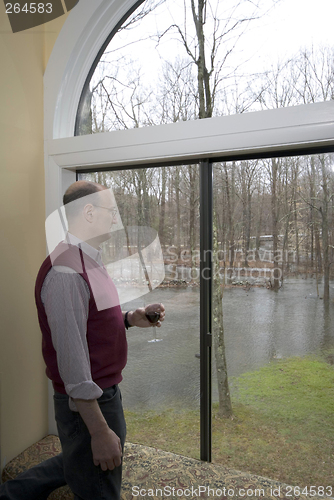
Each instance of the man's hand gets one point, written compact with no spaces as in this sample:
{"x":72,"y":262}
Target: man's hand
{"x":107,"y":450}
{"x":138,"y":317}
{"x":106,"y":445}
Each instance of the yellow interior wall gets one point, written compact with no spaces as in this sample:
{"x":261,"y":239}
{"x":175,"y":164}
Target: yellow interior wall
{"x":23,"y":383}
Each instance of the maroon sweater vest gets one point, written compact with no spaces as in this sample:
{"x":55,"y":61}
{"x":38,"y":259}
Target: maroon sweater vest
{"x":106,"y":336}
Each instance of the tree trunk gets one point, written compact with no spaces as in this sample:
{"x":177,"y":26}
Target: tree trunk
{"x":162,"y":207}
{"x":230,"y":198}
{"x":312,"y":218}
{"x":192,"y":211}
{"x":249,"y":223}
{"x":178,"y":212}
{"x":146,"y":199}
{"x":325,"y":229}
{"x":205,"y":111}
{"x":225,"y":405}
{"x":295,"y":190}
{"x":274,"y":216}
{"x":259,"y":223}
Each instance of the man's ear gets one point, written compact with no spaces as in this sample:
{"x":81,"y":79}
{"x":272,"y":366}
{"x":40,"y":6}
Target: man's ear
{"x":88,"y":212}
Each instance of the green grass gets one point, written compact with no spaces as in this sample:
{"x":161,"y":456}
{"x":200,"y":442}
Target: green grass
{"x":283,"y":424}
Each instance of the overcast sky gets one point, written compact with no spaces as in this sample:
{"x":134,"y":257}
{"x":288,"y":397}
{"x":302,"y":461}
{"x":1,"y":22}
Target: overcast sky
{"x":298,"y":23}
{"x":276,"y":36}
{"x":290,"y":25}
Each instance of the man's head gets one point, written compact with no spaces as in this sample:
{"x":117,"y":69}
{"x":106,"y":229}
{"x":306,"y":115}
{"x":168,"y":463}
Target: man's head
{"x":75,"y":199}
{"x":90,"y":210}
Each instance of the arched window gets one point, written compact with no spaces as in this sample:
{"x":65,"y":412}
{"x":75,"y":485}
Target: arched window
{"x":168,"y":61}
{"x":226,"y":136}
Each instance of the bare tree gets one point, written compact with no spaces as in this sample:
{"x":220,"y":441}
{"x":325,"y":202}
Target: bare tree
{"x":204,"y":55}
{"x":324,"y":211}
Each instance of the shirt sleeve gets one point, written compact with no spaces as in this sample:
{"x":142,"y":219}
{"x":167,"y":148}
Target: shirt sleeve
{"x":65,"y":296}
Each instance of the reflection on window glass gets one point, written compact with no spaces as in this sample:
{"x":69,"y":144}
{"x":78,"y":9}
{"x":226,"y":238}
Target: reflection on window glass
{"x":160,"y":386}
{"x":169,"y":63}
{"x":274,"y":221}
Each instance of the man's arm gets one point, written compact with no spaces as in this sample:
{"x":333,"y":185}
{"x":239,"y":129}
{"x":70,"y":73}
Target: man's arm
{"x":106,"y":445}
{"x":65,"y":296}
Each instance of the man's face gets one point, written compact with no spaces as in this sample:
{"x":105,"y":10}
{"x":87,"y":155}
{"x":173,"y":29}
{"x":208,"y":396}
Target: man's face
{"x":105,"y":215}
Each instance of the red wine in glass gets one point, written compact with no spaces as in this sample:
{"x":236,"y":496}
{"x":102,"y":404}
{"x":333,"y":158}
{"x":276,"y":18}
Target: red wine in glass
{"x":153,"y":317}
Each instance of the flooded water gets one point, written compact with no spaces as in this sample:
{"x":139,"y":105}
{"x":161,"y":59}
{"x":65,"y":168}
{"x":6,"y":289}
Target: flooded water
{"x":259,"y":326}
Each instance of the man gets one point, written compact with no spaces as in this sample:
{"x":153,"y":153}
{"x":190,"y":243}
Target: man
{"x":85,"y":350}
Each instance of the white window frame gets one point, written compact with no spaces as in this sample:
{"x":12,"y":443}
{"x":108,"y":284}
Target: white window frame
{"x":81,"y":38}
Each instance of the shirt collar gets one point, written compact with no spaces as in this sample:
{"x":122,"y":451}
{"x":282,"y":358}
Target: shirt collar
{"x":92,"y":252}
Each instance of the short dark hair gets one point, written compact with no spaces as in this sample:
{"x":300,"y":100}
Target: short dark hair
{"x":78,"y":190}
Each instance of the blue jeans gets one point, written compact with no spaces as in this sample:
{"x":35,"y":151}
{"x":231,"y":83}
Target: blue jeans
{"x":74,"y":466}
{"x":36,"y":483}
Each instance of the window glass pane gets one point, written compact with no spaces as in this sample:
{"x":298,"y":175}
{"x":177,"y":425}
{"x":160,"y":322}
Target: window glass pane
{"x":161,"y":381}
{"x":167,"y":63}
{"x":274,"y":220}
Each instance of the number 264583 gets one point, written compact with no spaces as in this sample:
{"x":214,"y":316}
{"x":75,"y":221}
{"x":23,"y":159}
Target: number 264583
{"x":29,"y":8}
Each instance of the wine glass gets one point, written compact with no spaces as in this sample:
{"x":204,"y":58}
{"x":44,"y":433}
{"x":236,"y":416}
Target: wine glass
{"x":153,"y":318}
